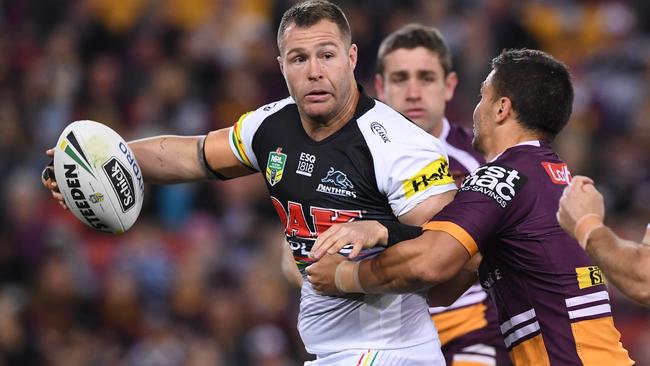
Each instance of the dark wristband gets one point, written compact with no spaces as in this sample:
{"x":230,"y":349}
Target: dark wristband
{"x":398,"y":232}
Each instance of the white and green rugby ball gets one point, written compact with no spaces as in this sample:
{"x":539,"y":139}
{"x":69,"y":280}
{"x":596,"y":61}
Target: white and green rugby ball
{"x":98,"y":175}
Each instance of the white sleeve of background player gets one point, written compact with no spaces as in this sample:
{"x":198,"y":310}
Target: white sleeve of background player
{"x":410,"y":164}
{"x":243,"y":131}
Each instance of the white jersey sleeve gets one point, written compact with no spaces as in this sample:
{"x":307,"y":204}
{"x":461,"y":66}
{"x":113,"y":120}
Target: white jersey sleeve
{"x":410,"y":164}
{"x":243,"y":132}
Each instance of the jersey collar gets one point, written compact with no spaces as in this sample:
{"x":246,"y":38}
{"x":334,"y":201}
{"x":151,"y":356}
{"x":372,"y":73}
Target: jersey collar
{"x":535,"y":143}
{"x":364,"y":104}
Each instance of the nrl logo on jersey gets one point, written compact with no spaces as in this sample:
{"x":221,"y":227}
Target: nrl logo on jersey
{"x":342,"y":185}
{"x":275,"y":166}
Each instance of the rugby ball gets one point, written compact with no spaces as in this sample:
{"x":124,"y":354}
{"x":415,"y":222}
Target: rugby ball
{"x":98,"y":175}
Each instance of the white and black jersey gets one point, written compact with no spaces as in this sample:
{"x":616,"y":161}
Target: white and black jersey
{"x":378,"y":166}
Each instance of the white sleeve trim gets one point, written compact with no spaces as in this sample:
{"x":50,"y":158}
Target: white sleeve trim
{"x":242,"y":133}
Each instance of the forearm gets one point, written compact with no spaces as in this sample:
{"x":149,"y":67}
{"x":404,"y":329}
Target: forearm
{"x":625,"y":263}
{"x":170,"y":159}
{"x":432,"y":258}
{"x":393,"y":271}
{"x":405,"y":267}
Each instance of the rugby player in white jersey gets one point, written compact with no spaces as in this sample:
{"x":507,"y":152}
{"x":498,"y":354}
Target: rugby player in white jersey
{"x":329,"y":154}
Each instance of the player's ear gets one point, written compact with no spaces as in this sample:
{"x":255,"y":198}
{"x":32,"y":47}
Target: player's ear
{"x":379,"y":86}
{"x":352,"y":54}
{"x":450,"y":85}
{"x":502,"y":109}
{"x":281,"y":65}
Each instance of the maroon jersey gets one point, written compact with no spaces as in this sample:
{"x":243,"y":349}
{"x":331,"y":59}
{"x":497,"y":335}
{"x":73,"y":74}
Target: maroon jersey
{"x":468,"y":328}
{"x":552,"y":301}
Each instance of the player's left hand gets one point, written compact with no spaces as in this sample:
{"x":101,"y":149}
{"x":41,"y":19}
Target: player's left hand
{"x":360,"y":234}
{"x":321,"y":274}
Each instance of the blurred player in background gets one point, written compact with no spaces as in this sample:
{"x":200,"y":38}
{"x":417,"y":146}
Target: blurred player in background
{"x":624,"y":262}
{"x":308,"y":147}
{"x":552,"y":301}
{"x":415,"y":76}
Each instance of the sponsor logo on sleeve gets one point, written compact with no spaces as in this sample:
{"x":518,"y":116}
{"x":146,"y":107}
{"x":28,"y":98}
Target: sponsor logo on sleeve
{"x":380,"y":131}
{"x":498,"y":182}
{"x":558,"y":172}
{"x":435,"y":173}
{"x":590,"y":276}
{"x":122,"y":183}
{"x":275,"y":166}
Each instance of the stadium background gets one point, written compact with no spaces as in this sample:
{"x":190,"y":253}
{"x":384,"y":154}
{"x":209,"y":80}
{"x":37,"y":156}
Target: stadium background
{"x":197,"y":281}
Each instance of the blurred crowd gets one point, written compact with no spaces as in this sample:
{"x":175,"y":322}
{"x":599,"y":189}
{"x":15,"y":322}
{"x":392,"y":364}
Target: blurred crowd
{"x":197,"y":280}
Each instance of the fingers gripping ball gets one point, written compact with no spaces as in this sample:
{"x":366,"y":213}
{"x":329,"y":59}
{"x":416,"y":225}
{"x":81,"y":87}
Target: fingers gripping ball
{"x":98,"y":175}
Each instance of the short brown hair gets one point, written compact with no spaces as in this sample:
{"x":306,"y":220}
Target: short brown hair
{"x":415,"y":35}
{"x":310,"y":12}
{"x":538,"y":86}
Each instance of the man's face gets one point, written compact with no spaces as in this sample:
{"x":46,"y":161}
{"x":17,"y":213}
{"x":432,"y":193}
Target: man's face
{"x":318,"y":66}
{"x":483,"y":115}
{"x":414,"y":84}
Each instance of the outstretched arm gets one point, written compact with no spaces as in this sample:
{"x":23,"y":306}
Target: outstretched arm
{"x":173,"y":159}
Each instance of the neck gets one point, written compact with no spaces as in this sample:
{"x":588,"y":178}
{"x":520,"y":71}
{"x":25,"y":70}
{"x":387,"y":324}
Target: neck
{"x":320,"y":130}
{"x":436,"y":129}
{"x":507,"y":136}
